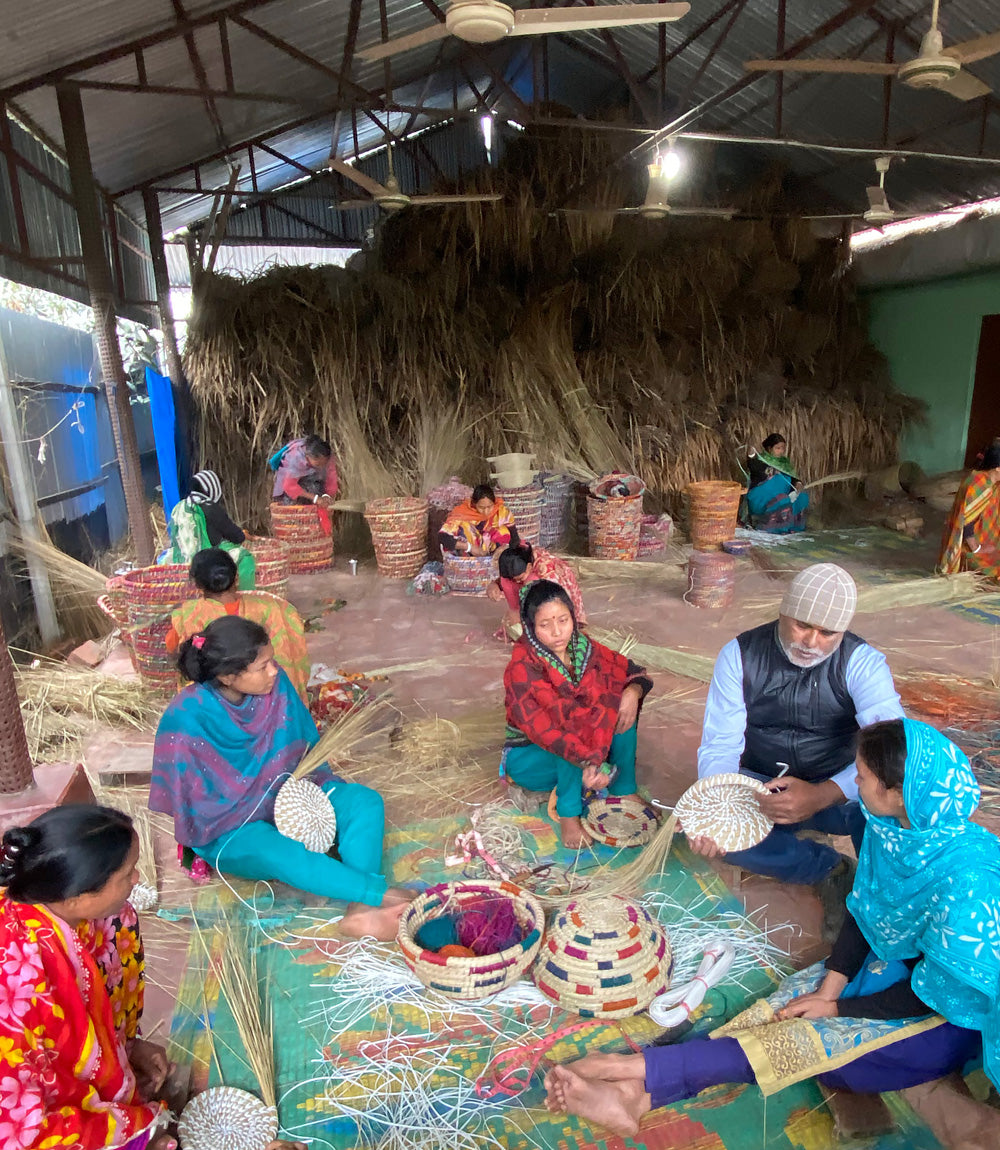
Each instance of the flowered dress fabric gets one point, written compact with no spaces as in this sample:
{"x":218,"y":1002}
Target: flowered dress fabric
{"x":70,"y":1001}
{"x":465,"y":522}
{"x":545,"y":565}
{"x":976,"y":506}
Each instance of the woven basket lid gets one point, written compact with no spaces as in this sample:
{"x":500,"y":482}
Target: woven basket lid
{"x":304,"y":813}
{"x":224,"y":1118}
{"x":604,"y":958}
{"x":619,"y":822}
{"x":724,"y":808}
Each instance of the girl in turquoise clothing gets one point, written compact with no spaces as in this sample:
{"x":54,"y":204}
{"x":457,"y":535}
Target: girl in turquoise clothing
{"x":775,"y":499}
{"x":223,"y":748}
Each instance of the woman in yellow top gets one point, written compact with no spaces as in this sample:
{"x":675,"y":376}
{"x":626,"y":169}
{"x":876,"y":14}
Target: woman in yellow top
{"x":479,"y":526}
{"x":214,"y":573}
{"x":972,"y":534}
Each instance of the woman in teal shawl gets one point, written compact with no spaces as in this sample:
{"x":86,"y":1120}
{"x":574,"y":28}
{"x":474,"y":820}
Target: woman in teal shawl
{"x":223,"y":748}
{"x":775,"y":500}
{"x":911,"y":992}
{"x":201,"y":521}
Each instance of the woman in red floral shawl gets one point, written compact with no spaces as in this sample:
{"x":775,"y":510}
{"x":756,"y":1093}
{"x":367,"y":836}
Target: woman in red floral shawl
{"x":572,"y":710}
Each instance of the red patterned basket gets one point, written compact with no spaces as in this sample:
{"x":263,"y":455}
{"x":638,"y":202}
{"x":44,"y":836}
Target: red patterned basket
{"x":614,"y":527}
{"x":399,"y":535}
{"x":469,"y":574}
{"x":272,"y":557}
{"x":156,"y":666}
{"x":153,"y":592}
{"x":711,"y":579}
{"x":714,"y":506}
{"x":297,"y":525}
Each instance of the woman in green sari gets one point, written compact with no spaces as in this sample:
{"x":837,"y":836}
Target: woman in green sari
{"x":201,"y":521}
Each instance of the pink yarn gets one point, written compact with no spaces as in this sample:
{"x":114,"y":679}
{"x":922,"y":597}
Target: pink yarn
{"x":488,"y":925}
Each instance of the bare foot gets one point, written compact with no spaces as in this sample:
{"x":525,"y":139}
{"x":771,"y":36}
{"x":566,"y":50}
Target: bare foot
{"x":379,"y":922}
{"x":611,"y":1067}
{"x":572,"y":833}
{"x":617,"y":1106}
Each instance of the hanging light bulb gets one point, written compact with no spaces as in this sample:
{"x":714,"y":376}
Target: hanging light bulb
{"x":669,"y":163}
{"x":486,"y":127}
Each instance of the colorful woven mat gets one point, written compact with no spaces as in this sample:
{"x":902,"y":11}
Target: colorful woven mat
{"x":303,"y":992}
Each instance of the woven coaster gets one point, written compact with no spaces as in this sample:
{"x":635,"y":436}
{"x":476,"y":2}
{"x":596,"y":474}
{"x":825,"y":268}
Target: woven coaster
{"x":619,"y":822}
{"x":224,"y":1118}
{"x":724,"y":808}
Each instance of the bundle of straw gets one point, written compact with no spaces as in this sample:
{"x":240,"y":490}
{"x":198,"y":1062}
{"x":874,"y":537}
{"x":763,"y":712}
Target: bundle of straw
{"x":75,"y":587}
{"x":342,"y":739}
{"x":923,"y":592}
{"x":649,"y":655}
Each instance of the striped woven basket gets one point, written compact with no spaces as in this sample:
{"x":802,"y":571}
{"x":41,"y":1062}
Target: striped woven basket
{"x":557,"y":508}
{"x":604,"y":958}
{"x":619,"y":822}
{"x":469,"y":574}
{"x":614,"y":526}
{"x":399,"y":535}
{"x":156,"y":666}
{"x":713,"y":509}
{"x":470,"y":978}
{"x":297,"y":525}
{"x":525,"y":504}
{"x":153,"y":592}
{"x":711,"y":579}
{"x":117,"y":597}
{"x":273,"y":563}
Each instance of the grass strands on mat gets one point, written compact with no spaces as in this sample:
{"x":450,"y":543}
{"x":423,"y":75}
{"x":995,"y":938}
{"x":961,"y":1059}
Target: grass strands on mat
{"x":657,"y":658}
{"x":919,"y":592}
{"x":645,"y":864}
{"x":342,"y":739}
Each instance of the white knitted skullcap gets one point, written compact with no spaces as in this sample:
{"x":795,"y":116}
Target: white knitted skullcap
{"x":823,"y":595}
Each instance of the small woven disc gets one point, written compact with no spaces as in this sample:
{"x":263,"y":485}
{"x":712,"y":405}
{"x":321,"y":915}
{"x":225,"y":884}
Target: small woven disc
{"x":144,"y":896}
{"x":304,"y":813}
{"x":725,"y":809}
{"x":224,"y":1118}
{"x":619,"y":822}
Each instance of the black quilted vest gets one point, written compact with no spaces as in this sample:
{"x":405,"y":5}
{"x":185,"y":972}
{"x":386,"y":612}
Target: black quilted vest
{"x":803,"y":716}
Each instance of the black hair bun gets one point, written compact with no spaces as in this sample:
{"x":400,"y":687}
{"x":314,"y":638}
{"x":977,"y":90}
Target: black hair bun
{"x":16,"y":841}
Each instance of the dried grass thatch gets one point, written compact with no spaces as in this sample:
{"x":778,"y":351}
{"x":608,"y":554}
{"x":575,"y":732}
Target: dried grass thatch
{"x":594,"y":342}
{"x":75,"y":587}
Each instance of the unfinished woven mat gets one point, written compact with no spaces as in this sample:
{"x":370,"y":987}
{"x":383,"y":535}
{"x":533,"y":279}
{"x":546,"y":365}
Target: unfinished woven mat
{"x":303,"y":812}
{"x":619,"y":822}
{"x":480,"y":976}
{"x":604,"y":958}
{"x":725,"y":809}
{"x":224,"y":1118}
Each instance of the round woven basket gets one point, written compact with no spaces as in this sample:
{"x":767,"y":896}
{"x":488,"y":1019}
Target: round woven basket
{"x":711,"y":579}
{"x":273,"y":559}
{"x":714,"y":506}
{"x":604,"y":958}
{"x":469,"y":574}
{"x":557,"y":510}
{"x":525,"y":504}
{"x":619,"y":822}
{"x":737,"y":546}
{"x":150,"y":657}
{"x":614,"y":527}
{"x":297,"y":525}
{"x":153,"y":592}
{"x":303,"y":812}
{"x":117,"y":596}
{"x":470,"y":978}
{"x":399,"y":535}
{"x":724,"y":808}
{"x":224,"y":1118}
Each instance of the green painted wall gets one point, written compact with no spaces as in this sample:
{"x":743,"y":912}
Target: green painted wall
{"x":929,"y":332}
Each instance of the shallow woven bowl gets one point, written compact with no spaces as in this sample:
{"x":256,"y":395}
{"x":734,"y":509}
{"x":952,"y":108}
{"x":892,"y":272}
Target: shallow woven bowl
{"x":725,"y":809}
{"x":481,"y":976}
{"x":604,"y":958}
{"x":224,"y":1118}
{"x":303,"y":812}
{"x":619,"y":822}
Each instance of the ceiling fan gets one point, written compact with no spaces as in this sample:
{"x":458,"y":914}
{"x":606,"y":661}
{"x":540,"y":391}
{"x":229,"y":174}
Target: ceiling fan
{"x":390,"y":197}
{"x":879,"y":211}
{"x":934,"y":67}
{"x":486,"y":21}
{"x":656,"y":205}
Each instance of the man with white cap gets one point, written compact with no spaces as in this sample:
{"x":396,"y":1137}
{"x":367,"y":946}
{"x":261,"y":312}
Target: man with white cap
{"x":785,"y":703}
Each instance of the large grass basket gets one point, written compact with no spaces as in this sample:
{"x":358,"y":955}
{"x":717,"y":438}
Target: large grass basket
{"x":470,"y":978}
{"x":153,"y":592}
{"x":399,"y":535}
{"x":298,"y":526}
{"x":469,"y":574}
{"x":604,"y":958}
{"x":273,"y":563}
{"x":713,"y":508}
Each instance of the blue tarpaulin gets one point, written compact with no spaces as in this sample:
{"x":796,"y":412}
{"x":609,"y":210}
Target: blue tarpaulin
{"x":161,"y":406}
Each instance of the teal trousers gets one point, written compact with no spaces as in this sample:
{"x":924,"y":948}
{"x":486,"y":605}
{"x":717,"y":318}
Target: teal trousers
{"x":260,"y":851}
{"x":535,"y":769}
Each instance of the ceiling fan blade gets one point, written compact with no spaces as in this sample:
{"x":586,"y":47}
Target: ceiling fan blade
{"x":969,"y":51}
{"x":843,"y":67}
{"x":851,"y":216}
{"x":877,"y":200}
{"x":965,"y":86}
{"x":470,"y":199}
{"x":372,"y":187}
{"x":716,"y":213}
{"x":428,"y":35}
{"x":538,"y":21}
{"x":354,"y":205}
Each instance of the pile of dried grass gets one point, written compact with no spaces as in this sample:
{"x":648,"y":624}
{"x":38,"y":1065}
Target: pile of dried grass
{"x":75,"y":588}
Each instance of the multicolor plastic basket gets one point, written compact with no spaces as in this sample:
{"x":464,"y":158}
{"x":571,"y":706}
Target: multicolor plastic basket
{"x":399,"y":535}
{"x":525,"y":504}
{"x":298,"y":526}
{"x":604,"y":958}
{"x":272,"y":557}
{"x":711,"y":579}
{"x":469,"y":574}
{"x":557,"y":507}
{"x":713,"y":509}
{"x":470,"y":978}
{"x":620,"y":822}
{"x":614,"y":526}
{"x":153,"y":592}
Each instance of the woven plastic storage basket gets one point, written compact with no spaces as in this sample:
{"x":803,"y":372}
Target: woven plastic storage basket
{"x":525,"y":504}
{"x":399,"y":535}
{"x":273,"y":563}
{"x":713,"y":508}
{"x":225,"y":1118}
{"x":711,"y":579}
{"x":470,"y":978}
{"x":297,"y":525}
{"x":153,"y":592}
{"x":469,"y":574}
{"x":604,"y":958}
{"x":557,"y":510}
{"x":614,"y":522}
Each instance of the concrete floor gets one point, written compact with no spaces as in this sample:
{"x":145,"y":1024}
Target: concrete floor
{"x":382,"y":626}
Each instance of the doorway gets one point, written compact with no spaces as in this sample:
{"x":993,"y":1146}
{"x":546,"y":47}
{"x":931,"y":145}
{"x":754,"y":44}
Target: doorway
{"x":984,"y":417}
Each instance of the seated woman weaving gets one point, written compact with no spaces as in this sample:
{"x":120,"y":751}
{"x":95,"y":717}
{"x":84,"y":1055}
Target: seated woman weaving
{"x":479,"y":526}
{"x":572,"y":710}
{"x":223,"y":748}
{"x":214,"y":574}
{"x":972,"y":534}
{"x":911,"y":991}
{"x":201,"y":521}
{"x":775,"y":499}
{"x":523,"y":564}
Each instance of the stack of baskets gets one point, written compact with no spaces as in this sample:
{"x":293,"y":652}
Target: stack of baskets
{"x":399,"y":533}
{"x":525,"y":504}
{"x":614,"y":517}
{"x":711,"y":579}
{"x":513,"y":470}
{"x":298,"y":526}
{"x":653,"y":535}
{"x":273,"y":563}
{"x":714,"y":506}
{"x":152,"y":593}
{"x":557,"y":508}
{"x":469,"y":574}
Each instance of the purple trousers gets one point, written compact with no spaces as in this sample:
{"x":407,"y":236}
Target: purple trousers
{"x":681,"y":1071}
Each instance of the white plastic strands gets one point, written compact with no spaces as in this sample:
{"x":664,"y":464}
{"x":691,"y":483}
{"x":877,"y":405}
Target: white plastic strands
{"x":724,"y":808}
{"x":224,"y":1118}
{"x":144,"y":897}
{"x":304,"y":813}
